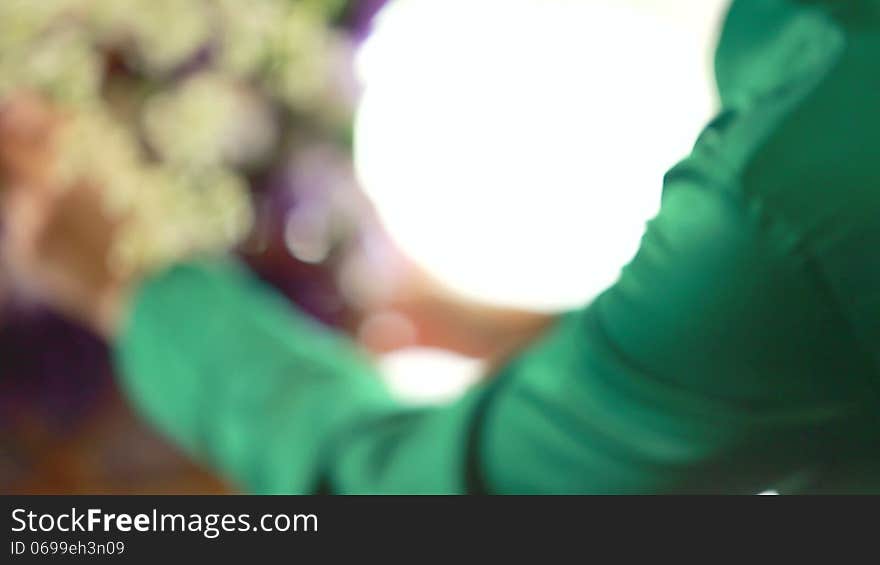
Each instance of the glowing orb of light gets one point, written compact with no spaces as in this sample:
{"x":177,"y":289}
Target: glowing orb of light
{"x":515,"y":148}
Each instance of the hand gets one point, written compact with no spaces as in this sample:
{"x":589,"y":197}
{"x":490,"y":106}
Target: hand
{"x":448,"y":320}
{"x":56,"y":240}
{"x":415,"y":309}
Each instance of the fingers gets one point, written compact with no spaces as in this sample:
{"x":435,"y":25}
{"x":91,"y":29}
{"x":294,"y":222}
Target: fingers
{"x":27,"y":128}
{"x":24,"y":216}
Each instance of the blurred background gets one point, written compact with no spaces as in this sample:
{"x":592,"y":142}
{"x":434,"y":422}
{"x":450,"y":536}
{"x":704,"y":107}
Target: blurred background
{"x":432,"y":177}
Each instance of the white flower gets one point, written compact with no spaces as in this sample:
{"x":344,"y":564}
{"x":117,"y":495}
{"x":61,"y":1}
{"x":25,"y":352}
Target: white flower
{"x":162,"y":33}
{"x":209,"y":120}
{"x":165,"y":149}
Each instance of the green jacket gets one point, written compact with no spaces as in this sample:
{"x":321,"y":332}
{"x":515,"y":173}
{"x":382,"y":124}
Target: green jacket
{"x":739,"y":351}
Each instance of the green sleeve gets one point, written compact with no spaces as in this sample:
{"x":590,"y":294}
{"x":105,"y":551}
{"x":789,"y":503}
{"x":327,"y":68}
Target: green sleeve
{"x":699,"y":369}
{"x":237,"y":378}
{"x":723,"y":359}
{"x":710,"y":366}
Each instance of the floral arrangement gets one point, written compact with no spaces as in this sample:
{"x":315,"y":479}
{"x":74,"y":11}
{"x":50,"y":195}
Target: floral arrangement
{"x":205,"y":120}
{"x":174,"y":105}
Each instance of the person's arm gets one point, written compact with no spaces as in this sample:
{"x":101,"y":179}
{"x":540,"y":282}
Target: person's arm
{"x":705,"y":367}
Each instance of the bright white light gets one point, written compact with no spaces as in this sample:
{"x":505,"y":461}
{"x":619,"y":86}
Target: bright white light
{"x":428,"y":376}
{"x":516,"y":148}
